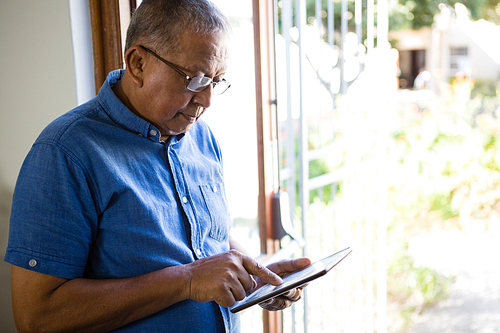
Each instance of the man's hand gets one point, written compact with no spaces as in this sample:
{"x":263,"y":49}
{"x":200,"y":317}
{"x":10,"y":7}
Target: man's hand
{"x":284,"y":268}
{"x":226,"y":277}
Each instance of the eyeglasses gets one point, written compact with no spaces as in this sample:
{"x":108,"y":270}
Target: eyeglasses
{"x":196,"y":83}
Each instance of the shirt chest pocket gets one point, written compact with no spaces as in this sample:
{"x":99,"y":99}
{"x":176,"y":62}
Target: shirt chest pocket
{"x":215,"y":201}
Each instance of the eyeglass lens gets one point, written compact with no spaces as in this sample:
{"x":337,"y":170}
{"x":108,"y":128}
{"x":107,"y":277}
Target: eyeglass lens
{"x":200,"y":83}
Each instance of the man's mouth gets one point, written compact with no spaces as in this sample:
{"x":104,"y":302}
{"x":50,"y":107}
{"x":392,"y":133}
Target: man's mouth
{"x":190,"y":118}
{"x":193,"y":115}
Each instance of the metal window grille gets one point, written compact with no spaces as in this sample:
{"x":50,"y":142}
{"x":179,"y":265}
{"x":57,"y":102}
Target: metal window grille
{"x":323,"y":51}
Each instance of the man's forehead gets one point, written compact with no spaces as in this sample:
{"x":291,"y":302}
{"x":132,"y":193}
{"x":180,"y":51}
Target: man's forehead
{"x":216,"y":43}
{"x":203,"y":50}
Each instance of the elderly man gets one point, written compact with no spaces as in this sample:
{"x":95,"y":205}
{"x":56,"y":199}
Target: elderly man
{"x":119,"y":218}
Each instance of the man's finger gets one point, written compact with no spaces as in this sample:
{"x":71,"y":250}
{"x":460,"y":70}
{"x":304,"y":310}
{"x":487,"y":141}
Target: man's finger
{"x":275,"y":304}
{"x":285,"y":267}
{"x":293,"y":295}
{"x":254,"y":268}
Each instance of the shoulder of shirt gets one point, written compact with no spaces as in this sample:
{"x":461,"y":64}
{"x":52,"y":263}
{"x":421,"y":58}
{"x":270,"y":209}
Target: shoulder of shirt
{"x":69,"y":124}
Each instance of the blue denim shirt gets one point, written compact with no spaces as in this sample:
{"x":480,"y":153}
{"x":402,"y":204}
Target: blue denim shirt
{"x":100,"y":196}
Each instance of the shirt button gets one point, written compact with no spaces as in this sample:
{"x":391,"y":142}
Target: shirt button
{"x":153,"y":132}
{"x":198,"y":252}
{"x":215,"y":189}
{"x":33,"y":263}
{"x":184,"y":199}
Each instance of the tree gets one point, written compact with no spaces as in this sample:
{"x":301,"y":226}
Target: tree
{"x":415,"y":14}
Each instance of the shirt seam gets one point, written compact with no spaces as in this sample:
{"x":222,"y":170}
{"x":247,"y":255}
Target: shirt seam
{"x":30,"y":252}
{"x":66,"y":151}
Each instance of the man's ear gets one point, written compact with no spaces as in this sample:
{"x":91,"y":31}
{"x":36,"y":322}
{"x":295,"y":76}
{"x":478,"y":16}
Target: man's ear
{"x":134,"y":64}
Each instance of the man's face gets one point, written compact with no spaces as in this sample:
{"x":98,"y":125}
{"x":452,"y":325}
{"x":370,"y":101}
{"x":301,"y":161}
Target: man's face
{"x":165,"y":100}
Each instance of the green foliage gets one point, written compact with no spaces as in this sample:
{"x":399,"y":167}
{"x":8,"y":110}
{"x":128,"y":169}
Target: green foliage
{"x":412,"y":14}
{"x":405,"y":14}
{"x":416,"y":14}
{"x":443,"y":139}
{"x":484,"y":88}
{"x":445,"y":157}
{"x":421,"y":284}
{"x":442,"y":204}
{"x":414,"y":288}
{"x":448,"y":151}
{"x":317,"y":168}
{"x":491,"y":11}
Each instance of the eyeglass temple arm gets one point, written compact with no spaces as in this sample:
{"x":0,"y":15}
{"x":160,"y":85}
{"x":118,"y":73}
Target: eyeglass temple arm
{"x":166,"y":63}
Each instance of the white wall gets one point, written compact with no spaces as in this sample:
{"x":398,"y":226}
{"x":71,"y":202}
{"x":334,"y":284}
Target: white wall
{"x":36,"y":86}
{"x":481,"y":64}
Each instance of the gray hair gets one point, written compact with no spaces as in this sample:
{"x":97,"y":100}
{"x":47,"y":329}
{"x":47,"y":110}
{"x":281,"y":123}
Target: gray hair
{"x":159,"y":23}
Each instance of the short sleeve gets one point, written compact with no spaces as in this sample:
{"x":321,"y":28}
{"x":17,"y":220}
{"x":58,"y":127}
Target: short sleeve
{"x":53,"y":218}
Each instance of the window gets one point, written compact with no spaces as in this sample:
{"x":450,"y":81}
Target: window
{"x":459,"y":61}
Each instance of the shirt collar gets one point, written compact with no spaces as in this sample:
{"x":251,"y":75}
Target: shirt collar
{"x":122,"y":115}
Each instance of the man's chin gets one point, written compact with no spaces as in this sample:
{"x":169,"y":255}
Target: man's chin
{"x":177,"y":131}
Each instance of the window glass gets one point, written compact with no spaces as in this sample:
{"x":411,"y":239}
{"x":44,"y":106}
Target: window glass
{"x":232,"y":118}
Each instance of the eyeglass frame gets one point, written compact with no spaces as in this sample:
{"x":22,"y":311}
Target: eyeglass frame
{"x":187,"y":77}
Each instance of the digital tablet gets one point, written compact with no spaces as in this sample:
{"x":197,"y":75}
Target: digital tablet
{"x":291,"y":281}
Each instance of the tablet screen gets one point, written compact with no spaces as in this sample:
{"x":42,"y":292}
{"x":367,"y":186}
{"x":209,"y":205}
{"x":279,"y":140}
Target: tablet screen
{"x":291,"y":281}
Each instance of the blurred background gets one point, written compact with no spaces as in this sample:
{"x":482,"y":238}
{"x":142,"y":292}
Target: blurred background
{"x":387,"y":141}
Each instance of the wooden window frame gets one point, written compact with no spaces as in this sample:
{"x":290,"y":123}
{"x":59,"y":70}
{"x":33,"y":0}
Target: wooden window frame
{"x":266,"y":112}
{"x":106,"y":38}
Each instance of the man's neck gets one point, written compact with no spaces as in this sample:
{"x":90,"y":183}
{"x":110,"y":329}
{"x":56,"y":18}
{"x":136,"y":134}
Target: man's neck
{"x":118,"y":90}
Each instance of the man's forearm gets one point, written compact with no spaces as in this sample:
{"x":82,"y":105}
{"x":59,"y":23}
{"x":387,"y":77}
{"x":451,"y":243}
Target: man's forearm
{"x":45,"y":303}
{"x":86,"y":305}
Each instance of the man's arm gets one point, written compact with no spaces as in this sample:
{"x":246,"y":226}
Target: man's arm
{"x":45,"y":303}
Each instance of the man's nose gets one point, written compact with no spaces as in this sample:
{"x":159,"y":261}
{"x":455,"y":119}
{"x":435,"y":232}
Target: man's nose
{"x":204,"y":97}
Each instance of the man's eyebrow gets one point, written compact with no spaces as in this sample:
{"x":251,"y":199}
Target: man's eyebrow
{"x":207,"y":73}
{"x":219,"y":70}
